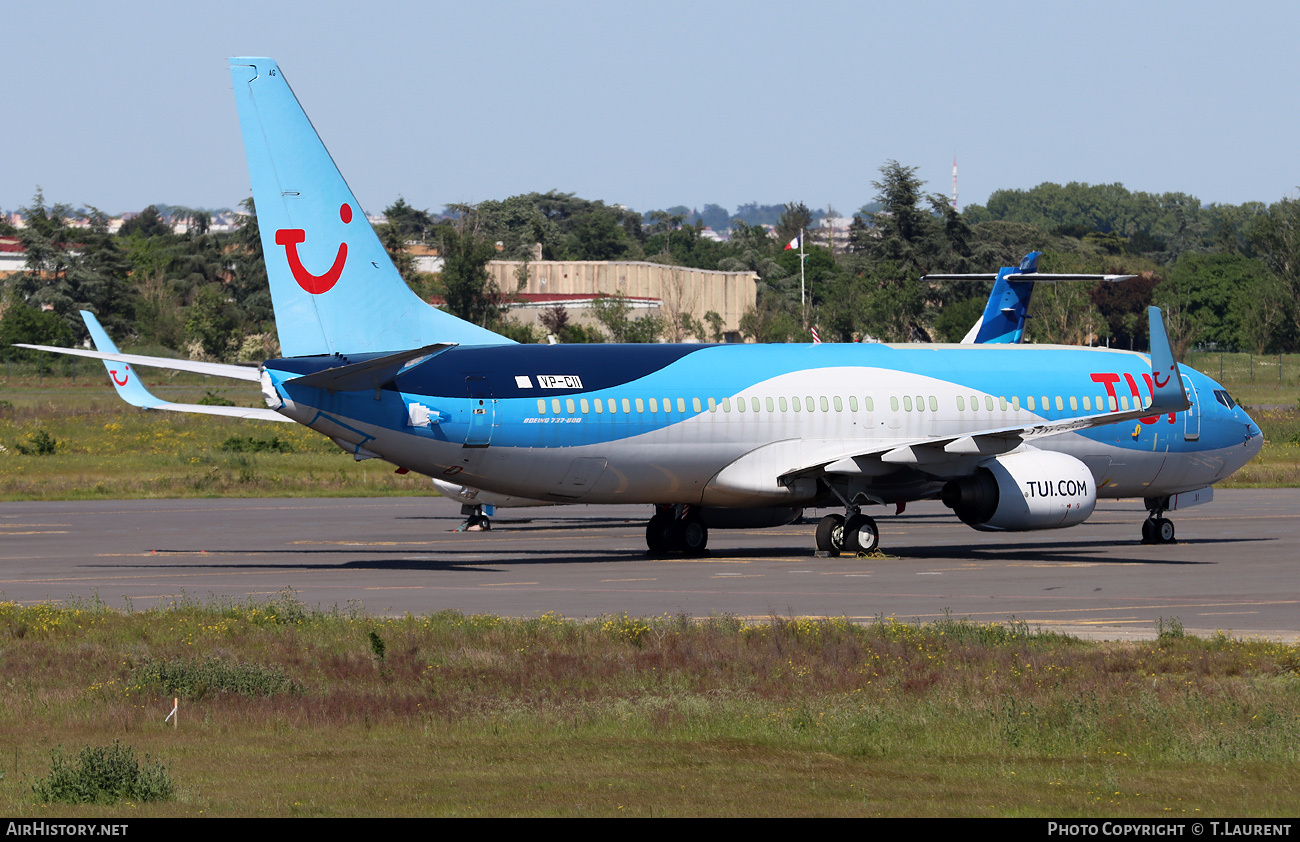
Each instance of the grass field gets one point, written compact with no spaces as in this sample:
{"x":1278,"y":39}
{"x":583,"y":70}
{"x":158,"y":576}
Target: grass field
{"x":290,"y":711}
{"x":97,"y":447}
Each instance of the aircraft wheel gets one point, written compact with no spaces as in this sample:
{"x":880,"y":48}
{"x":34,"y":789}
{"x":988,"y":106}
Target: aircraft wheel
{"x":692,"y":536}
{"x":478,"y":523}
{"x":1164,"y":531}
{"x":861,"y":535}
{"x":830,"y":534}
{"x":656,"y":533}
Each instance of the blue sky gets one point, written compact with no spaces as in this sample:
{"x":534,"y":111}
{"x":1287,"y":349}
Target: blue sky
{"x":656,"y":104}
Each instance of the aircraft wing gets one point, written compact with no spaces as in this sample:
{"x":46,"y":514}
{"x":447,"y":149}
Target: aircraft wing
{"x":130,"y":389}
{"x":953,"y":454}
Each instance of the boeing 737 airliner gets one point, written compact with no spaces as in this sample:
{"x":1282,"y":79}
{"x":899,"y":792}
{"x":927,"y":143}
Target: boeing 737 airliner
{"x":1010,"y":436}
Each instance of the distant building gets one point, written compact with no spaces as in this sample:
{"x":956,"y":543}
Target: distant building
{"x":667,"y":291}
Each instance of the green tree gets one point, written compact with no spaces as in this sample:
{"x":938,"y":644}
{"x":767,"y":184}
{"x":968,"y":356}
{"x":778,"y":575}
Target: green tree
{"x":614,"y":313}
{"x":147,"y":223}
{"x":794,"y":218}
{"x":32,"y":326}
{"x":464,"y":280}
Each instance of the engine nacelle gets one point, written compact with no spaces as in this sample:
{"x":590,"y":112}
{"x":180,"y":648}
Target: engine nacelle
{"x":1018,"y":492}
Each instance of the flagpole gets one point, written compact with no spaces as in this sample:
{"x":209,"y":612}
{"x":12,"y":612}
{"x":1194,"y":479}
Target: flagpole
{"x":803,"y":296}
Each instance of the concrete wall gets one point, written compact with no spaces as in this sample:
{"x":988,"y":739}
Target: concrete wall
{"x":677,"y":289}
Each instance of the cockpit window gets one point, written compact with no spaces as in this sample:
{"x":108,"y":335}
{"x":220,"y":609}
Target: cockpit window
{"x":1224,"y":398}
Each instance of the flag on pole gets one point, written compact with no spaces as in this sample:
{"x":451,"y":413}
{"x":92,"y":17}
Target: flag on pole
{"x":793,"y":244}
{"x":817,"y":340}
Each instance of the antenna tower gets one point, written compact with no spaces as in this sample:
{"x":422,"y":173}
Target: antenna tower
{"x":954,"y":181}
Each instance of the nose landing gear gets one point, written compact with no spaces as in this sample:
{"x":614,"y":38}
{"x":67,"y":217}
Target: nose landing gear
{"x":1157,"y":529}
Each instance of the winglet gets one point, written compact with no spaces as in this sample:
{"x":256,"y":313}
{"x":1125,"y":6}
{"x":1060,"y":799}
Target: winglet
{"x":128,"y":385}
{"x":1167,"y":392}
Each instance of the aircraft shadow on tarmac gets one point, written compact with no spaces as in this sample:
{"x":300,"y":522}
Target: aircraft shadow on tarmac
{"x":481,"y":553}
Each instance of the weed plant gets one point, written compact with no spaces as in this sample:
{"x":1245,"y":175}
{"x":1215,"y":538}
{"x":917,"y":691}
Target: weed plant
{"x":103,"y":774}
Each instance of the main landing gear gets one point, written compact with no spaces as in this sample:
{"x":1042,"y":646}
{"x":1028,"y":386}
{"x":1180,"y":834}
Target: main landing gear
{"x":856,"y":533}
{"x":476,"y":520}
{"x":676,"y":528}
{"x":1157,"y":529}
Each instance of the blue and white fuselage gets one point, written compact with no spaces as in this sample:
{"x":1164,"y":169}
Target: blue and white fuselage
{"x":717,"y":425}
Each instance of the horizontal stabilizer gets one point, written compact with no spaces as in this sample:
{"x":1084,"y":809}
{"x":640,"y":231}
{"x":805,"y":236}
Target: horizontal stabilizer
{"x":1036,"y":277}
{"x":370,"y":374}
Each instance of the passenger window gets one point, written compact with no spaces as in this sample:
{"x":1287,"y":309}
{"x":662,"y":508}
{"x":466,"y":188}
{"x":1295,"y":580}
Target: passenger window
{"x":613,"y":407}
{"x":770,"y":406}
{"x":681,"y":404}
{"x":654,"y":405}
{"x":753,"y":402}
{"x":740,"y":404}
{"x":568,"y":405}
{"x":853,"y":403}
{"x":1087,"y":404}
{"x":695,"y":404}
{"x":893,"y":402}
{"x":920,"y":403}
{"x":784,"y":404}
{"x":555,"y":405}
{"x":713,"y":405}
{"x":988,"y":403}
{"x":808,"y":403}
{"x":798,"y":404}
{"x":1029,"y":402}
{"x":726,"y":404}
{"x":627,"y":406}
{"x":1123,"y":402}
{"x":1112,"y":404}
{"x":826,"y":407}
{"x":839,"y":404}
{"x":582,"y":404}
{"x":870,"y":404}
{"x":907,"y":402}
{"x":600,"y":406}
{"x":640,"y":405}
{"x":934,"y":404}
{"x":541,"y":406}
{"x":961,"y":404}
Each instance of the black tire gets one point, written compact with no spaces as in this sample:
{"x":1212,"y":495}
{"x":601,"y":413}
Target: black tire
{"x":1148,"y":531}
{"x":861,"y":535}
{"x":693,"y":536}
{"x":656,"y":534}
{"x":830,"y":534}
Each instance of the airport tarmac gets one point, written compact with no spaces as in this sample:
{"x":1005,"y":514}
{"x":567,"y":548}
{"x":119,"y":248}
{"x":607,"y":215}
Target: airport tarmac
{"x":1234,"y":567}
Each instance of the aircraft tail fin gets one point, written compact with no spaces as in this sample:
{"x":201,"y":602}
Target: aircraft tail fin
{"x":333,"y":286}
{"x":1003,"y":321}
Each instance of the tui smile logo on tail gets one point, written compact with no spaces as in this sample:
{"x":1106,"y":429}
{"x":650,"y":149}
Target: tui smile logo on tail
{"x":314,"y":284}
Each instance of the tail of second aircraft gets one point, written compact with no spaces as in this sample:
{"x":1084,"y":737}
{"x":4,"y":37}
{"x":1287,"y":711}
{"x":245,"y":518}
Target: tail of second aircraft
{"x":333,"y":286}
